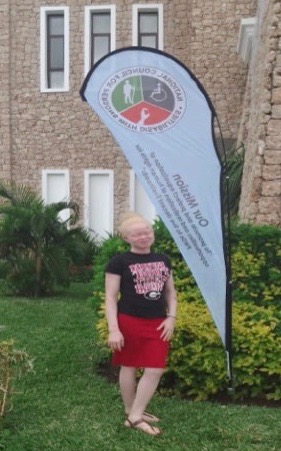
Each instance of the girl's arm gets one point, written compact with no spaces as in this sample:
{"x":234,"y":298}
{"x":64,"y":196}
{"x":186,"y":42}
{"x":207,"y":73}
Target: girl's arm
{"x":112,"y":286}
{"x":171,"y":297}
{"x":168,"y":324}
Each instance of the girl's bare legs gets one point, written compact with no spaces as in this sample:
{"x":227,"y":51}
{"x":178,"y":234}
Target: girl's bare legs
{"x":145,"y":390}
{"x":127,"y":382}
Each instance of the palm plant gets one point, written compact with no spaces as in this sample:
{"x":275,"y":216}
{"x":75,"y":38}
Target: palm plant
{"x":36,"y":247}
{"x":232,"y":184}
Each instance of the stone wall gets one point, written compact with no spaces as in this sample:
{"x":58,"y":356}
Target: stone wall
{"x":58,"y":131}
{"x":5,"y":119}
{"x":261,"y":123}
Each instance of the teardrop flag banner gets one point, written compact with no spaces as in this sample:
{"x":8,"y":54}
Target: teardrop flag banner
{"x":163,"y":121}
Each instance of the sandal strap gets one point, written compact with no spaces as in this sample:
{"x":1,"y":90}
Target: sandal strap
{"x":149,"y":415}
{"x":134,"y":424}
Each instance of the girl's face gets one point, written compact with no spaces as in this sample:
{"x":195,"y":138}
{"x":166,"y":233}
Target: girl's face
{"x":140,"y":236}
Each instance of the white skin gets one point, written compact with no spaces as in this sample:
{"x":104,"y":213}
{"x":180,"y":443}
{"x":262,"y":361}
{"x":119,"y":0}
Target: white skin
{"x":140,"y":236}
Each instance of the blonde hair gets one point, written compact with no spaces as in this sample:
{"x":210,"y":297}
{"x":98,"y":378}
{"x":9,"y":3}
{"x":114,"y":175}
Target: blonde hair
{"x":129,"y":219}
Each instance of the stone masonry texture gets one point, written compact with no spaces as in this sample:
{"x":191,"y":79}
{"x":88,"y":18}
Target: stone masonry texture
{"x":260,"y":127}
{"x":59,"y":131}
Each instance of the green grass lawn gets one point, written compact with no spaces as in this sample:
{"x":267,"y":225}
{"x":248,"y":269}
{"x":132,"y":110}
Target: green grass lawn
{"x":64,"y":405}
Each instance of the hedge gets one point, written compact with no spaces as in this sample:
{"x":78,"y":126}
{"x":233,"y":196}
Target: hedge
{"x":196,"y":366}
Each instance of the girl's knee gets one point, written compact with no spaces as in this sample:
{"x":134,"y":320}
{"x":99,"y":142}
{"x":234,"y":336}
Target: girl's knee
{"x":128,"y":370}
{"x":154,"y":372}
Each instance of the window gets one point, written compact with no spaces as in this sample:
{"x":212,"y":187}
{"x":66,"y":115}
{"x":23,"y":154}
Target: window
{"x":54,"y":49}
{"x":99,"y":33}
{"x":246,"y":38}
{"x":148,"y":25}
{"x":139,"y":200}
{"x":55,"y":188}
{"x":148,"y":29}
{"x":98,"y":213}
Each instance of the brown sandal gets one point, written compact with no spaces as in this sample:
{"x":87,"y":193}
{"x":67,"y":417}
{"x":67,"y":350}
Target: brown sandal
{"x":134,"y":424}
{"x":152,"y":418}
{"x":149,"y":417}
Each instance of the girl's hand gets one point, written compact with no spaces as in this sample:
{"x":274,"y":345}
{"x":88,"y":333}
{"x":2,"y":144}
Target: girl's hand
{"x":115,"y":340}
{"x":167,"y":327}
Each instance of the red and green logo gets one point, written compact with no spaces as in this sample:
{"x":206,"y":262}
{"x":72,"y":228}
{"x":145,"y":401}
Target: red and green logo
{"x":143,"y":99}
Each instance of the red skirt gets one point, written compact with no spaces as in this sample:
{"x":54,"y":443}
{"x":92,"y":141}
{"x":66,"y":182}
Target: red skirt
{"x":143,"y":346}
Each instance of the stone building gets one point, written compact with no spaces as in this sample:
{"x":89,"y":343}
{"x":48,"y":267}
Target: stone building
{"x":51,"y":141}
{"x":260,"y":126}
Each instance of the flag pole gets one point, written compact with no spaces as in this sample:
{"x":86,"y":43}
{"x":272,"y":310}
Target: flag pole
{"x":229,"y":300}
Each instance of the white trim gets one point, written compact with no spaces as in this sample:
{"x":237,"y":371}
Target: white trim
{"x":45,"y":173}
{"x":245,"y":39}
{"x":110,"y":206}
{"x":132,"y":190}
{"x":64,"y":215}
{"x":87,"y":27}
{"x":145,"y":207}
{"x":44,"y":10}
{"x":157,"y":7}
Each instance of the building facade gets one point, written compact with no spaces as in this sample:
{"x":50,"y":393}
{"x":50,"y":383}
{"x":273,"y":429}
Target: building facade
{"x":260,"y":126}
{"x":51,"y":140}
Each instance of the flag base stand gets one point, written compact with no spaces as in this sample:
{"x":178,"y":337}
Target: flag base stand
{"x":230,"y":387}
{"x":231,"y":391}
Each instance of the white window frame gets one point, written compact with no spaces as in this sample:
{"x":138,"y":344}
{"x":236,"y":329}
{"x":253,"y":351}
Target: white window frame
{"x":132,"y":198}
{"x":132,"y":190}
{"x":246,"y":38}
{"x":87,"y":27}
{"x":45,"y":174}
{"x":44,"y":11}
{"x":64,"y":214}
{"x":87,"y":174}
{"x":150,"y":7}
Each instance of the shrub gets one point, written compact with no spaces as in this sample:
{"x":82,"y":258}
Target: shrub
{"x":36,"y":246}
{"x":256,"y":263}
{"x":196,"y":364}
{"x":257,"y":351}
{"x":81,"y":273}
{"x":12,"y":363}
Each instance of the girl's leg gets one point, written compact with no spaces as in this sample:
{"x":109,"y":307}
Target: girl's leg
{"x":127,"y":383}
{"x":145,"y":390}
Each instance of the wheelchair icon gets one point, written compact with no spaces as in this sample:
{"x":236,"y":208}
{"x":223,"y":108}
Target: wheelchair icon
{"x":159,"y":94}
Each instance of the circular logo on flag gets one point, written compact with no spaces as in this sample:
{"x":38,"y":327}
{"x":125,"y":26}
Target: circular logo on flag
{"x":143,"y":99}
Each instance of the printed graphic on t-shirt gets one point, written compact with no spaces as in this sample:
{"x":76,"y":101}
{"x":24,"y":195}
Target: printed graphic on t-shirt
{"x":149,"y":278}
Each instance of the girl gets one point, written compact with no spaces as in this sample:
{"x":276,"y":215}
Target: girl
{"x":142,"y":322}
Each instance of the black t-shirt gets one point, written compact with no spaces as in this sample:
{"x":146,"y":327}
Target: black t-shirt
{"x":143,"y":278}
